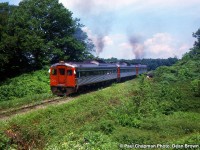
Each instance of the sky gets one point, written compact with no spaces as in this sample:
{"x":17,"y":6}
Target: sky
{"x":129,"y":29}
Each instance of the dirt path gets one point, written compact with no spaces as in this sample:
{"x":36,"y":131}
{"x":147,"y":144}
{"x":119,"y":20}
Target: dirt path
{"x":25,"y":109}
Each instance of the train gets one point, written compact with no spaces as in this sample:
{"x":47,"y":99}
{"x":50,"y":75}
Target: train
{"x":68,"y":77}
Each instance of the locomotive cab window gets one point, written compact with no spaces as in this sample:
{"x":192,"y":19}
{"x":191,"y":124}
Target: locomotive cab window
{"x":54,"y":72}
{"x":69,"y":72}
{"x":62,"y":71}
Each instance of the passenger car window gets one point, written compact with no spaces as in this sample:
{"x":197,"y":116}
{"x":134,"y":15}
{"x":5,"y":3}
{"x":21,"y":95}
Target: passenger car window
{"x":62,"y":71}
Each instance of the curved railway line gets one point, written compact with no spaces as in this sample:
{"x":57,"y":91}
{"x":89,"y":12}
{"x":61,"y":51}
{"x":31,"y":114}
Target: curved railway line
{"x":27,"y":108}
{"x":6,"y":114}
{"x":62,"y":75}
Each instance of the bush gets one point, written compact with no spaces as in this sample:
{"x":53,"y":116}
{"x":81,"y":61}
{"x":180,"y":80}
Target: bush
{"x":4,"y":141}
{"x":169,"y":77}
{"x":89,"y":140}
{"x":24,"y":85}
{"x":195,"y":87}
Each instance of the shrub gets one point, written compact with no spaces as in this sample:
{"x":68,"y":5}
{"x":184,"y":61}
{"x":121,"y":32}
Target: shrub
{"x":24,"y":85}
{"x":4,"y":141}
{"x":169,"y":77}
{"x":195,"y":87}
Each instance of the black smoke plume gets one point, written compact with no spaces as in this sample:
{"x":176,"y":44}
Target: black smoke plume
{"x":137,"y":47}
{"x":99,"y":44}
{"x":102,"y":24}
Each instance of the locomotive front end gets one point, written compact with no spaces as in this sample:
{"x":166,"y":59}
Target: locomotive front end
{"x":62,"y":79}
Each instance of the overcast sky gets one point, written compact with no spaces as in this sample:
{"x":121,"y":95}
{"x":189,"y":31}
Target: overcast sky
{"x":137,"y":28}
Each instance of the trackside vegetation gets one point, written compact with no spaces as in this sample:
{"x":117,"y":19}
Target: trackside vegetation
{"x":124,"y":113}
{"x":25,"y":89}
{"x":164,"y":110}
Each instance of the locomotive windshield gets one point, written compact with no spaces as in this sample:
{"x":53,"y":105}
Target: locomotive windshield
{"x":54,"y":72}
{"x":69,"y":72}
{"x":62,"y":71}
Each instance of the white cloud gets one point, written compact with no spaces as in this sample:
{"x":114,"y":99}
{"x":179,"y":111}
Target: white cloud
{"x":182,"y":50}
{"x":161,"y":38}
{"x":101,"y":6}
{"x":125,"y":46}
{"x":96,"y":6}
{"x":164,"y":45}
{"x":107,"y":40}
{"x":160,"y":45}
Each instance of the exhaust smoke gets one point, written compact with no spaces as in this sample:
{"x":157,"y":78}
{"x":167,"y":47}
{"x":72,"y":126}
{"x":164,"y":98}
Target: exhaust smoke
{"x":137,"y":47}
{"x":102,"y":23}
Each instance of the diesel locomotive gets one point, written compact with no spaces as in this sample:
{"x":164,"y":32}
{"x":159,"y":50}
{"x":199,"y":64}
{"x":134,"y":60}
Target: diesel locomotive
{"x":68,"y":77}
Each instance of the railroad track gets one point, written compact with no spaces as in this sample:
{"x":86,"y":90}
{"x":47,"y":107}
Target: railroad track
{"x":4,"y":115}
{"x":41,"y":105}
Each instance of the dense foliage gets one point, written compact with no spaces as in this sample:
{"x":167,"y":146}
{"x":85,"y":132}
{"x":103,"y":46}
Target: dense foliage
{"x":37,"y":33}
{"x":163,"y":110}
{"x":25,"y":89}
{"x":142,"y":117}
{"x":187,"y":69}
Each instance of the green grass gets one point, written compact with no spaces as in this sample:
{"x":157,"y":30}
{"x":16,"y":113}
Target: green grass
{"x":25,"y":89}
{"x":105,"y":119}
{"x":164,"y":110}
{"x":27,"y":100}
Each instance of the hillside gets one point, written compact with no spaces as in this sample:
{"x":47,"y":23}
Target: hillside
{"x":160,"y":112}
{"x":164,"y":110}
{"x":25,"y":89}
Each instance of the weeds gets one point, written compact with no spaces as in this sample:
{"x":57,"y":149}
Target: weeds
{"x":140,"y":111}
{"x":25,"y":89}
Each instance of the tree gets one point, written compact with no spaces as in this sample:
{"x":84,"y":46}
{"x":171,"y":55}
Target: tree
{"x":5,"y":54}
{"x":194,"y":52}
{"x":197,"y":35}
{"x":82,"y":37}
{"x":44,"y":29}
{"x":39,"y":32}
{"x":4,"y":11}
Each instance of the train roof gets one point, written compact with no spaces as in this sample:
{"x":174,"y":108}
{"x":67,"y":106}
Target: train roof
{"x":94,"y":64}
{"x":87,"y":64}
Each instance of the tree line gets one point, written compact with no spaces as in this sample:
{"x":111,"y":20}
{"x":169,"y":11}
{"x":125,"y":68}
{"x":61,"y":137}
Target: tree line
{"x":152,"y":64}
{"x":37,"y":33}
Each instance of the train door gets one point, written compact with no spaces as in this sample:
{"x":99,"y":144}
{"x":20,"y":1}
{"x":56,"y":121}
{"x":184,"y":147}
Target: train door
{"x":137,"y":70}
{"x":53,"y":76}
{"x":61,"y":74}
{"x":118,"y":73}
{"x":70,"y":77}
